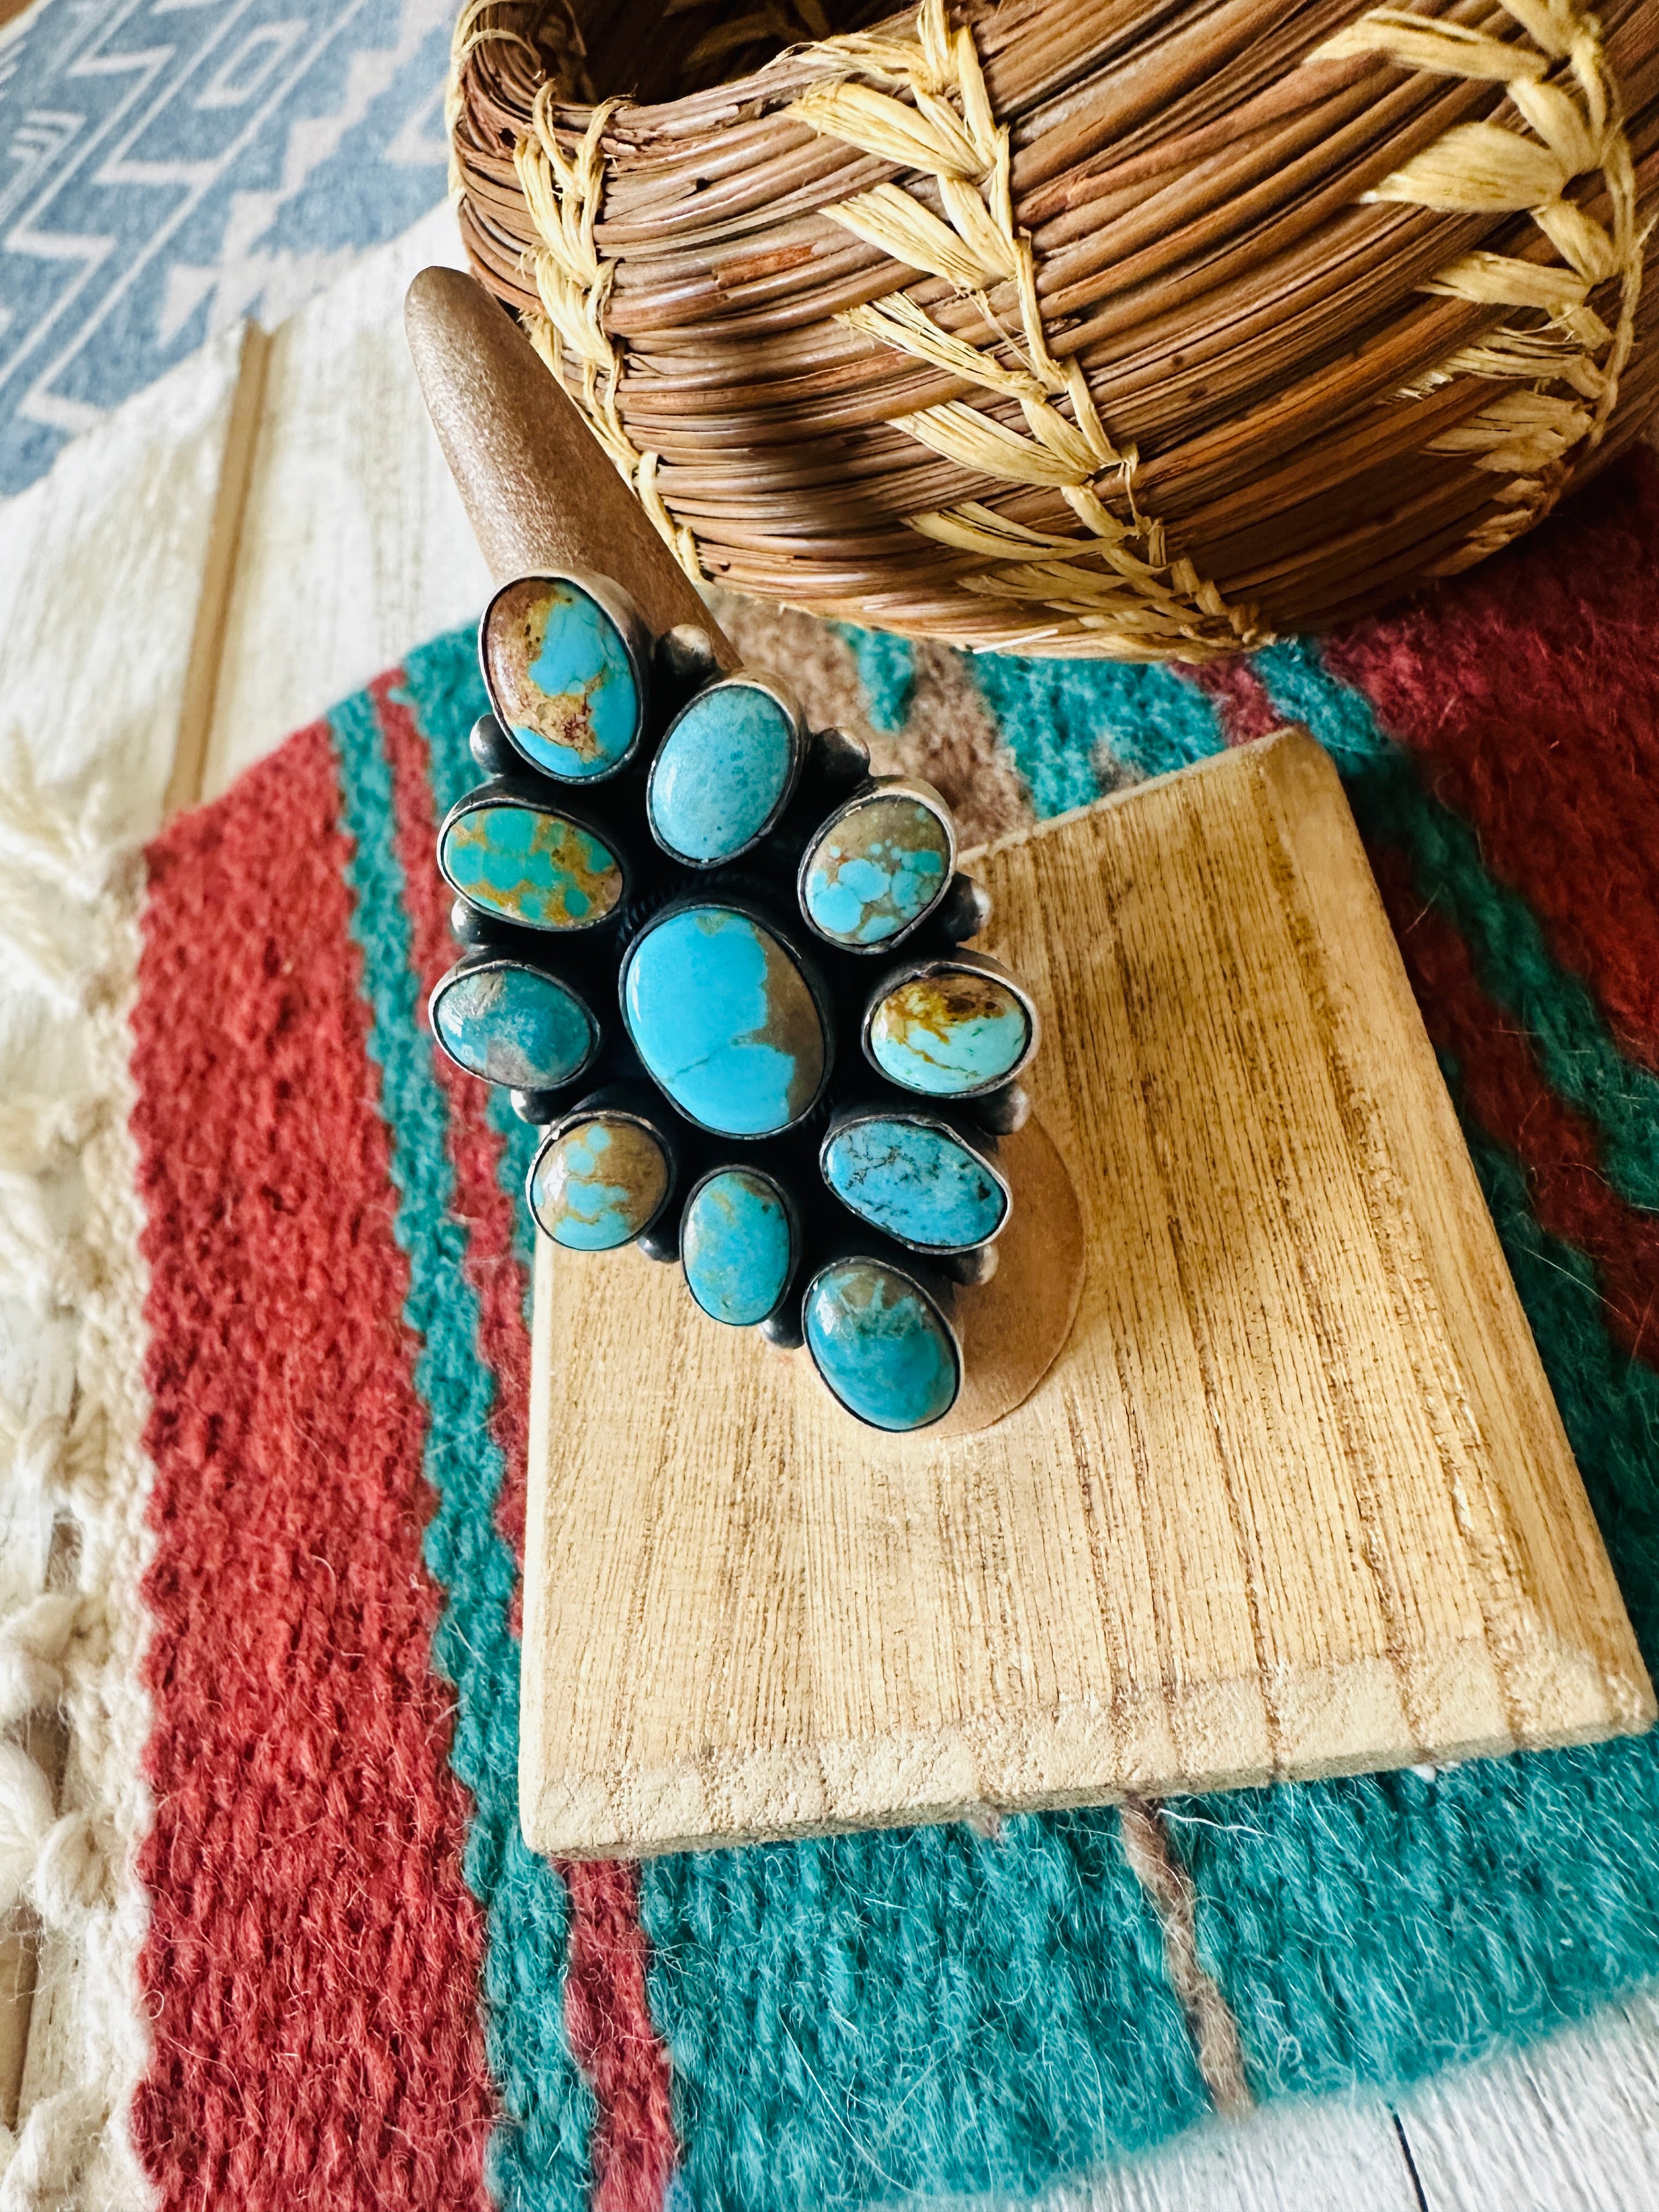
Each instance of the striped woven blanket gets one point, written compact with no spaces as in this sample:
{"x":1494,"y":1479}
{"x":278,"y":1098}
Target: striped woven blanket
{"x":295,"y":1952}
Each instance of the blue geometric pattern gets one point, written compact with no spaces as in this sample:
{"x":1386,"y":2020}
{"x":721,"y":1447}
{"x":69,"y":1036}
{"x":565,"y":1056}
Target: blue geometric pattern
{"x":173,"y":166}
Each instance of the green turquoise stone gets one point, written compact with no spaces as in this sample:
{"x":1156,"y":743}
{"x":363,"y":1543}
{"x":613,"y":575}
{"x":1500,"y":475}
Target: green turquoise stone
{"x":724,"y":770}
{"x":725,"y":1021}
{"x":950,"y":1033}
{"x":562,"y":678}
{"x":881,"y":1345}
{"x":737,"y":1247}
{"x":597,"y":1183}
{"x":875,"y":870}
{"x":917,"y":1183}
{"x":531,"y":866}
{"x":514,"y":1025}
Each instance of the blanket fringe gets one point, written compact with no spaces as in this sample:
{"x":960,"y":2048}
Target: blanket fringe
{"x":71,"y":1463}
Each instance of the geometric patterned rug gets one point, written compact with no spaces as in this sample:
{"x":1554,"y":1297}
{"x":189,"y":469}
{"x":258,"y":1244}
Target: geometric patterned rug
{"x":173,"y":165}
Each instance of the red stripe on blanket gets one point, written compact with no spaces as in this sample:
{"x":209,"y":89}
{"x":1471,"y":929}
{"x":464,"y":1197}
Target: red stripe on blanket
{"x":607,"y":2008}
{"x":314,"y":1955}
{"x":1243,"y":706}
{"x":1532,"y":692}
{"x":1504,"y":1090}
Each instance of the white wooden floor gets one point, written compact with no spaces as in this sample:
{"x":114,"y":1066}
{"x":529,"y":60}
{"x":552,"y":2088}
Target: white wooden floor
{"x":273,"y":525}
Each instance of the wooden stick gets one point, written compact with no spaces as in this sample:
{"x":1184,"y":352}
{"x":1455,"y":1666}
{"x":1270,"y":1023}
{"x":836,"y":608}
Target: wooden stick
{"x":537,"y":486}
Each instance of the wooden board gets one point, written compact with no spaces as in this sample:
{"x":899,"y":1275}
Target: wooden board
{"x":1343,"y":2155}
{"x":1295,"y":1499}
{"x":1569,"y":2125}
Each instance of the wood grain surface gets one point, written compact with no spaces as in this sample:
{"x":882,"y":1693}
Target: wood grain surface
{"x":1294,"y":1500}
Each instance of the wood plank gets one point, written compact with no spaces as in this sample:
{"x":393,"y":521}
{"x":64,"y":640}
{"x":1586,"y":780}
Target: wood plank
{"x":354,"y":546}
{"x":1295,"y":1499}
{"x":1569,"y":2125}
{"x":1342,"y":2155}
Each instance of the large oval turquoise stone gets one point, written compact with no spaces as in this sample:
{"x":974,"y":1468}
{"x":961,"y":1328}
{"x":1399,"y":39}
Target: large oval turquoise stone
{"x":737,"y":1247}
{"x":562,"y":679}
{"x":725,"y":1021}
{"x":949,"y":1033}
{"x":881,"y":1345}
{"x":724,"y":770}
{"x":918,"y":1182}
{"x":530,"y":866}
{"x":514,"y":1025}
{"x":597,"y":1183}
{"x":875,"y":870}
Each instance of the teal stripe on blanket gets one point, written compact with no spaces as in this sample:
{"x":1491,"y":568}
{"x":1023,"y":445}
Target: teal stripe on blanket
{"x":539,"y":2159}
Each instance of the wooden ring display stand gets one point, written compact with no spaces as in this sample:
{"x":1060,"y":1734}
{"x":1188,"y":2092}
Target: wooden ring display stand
{"x":1291,"y":1499}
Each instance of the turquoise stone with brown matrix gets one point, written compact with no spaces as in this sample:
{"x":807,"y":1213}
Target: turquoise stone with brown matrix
{"x":875,"y":869}
{"x":530,"y":865}
{"x":881,"y":1344}
{"x":950,"y":1032}
{"x":562,"y":678}
{"x":725,"y":1020}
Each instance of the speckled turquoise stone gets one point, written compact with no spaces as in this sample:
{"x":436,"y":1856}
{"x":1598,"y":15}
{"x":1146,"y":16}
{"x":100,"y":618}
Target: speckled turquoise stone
{"x":881,"y":1345}
{"x":875,"y":870}
{"x":723,"y":771}
{"x":917,"y":1183}
{"x":950,"y":1033}
{"x":736,"y":1246}
{"x":514,"y":1025}
{"x":597,"y":1183}
{"x":563,"y":683}
{"x":725,"y":1021}
{"x":531,"y":866}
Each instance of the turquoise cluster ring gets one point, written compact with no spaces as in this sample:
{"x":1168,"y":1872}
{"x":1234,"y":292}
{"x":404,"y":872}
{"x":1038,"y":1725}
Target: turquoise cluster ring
{"x":725,"y":969}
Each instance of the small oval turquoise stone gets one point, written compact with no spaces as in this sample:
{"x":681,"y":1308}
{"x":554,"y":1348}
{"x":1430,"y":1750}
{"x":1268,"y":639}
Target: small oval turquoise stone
{"x":917,"y":1183}
{"x":531,"y":866}
{"x":514,"y":1025}
{"x":875,"y":869}
{"x":881,"y":1345}
{"x":723,"y":771}
{"x":736,"y":1246}
{"x":725,"y":1021}
{"x":949,"y":1033}
{"x":597,"y":1183}
{"x":563,"y":681}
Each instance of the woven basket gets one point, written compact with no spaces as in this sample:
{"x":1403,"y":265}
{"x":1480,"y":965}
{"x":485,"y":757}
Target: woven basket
{"x":1087,"y":326}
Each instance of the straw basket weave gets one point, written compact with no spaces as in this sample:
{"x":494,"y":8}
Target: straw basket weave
{"x":1090,"y":326}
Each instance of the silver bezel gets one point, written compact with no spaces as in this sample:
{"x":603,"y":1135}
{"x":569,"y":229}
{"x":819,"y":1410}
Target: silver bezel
{"x":923,"y":1290}
{"x":815,"y":984}
{"x":511,"y":794}
{"x":880,"y":787}
{"x":637,"y":642}
{"x":791,"y":1213}
{"x":862,"y":1111}
{"x":478,"y":962}
{"x":909,"y":971}
{"x":752,"y":679}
